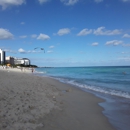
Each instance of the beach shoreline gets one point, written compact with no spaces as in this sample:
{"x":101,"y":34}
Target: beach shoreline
{"x":36,"y":103}
{"x":19,"y":70}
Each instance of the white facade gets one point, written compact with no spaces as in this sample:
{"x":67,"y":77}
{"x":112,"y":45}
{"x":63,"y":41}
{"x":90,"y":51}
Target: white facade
{"x":23,"y":61}
{"x":2,"y":56}
{"x":10,"y":60}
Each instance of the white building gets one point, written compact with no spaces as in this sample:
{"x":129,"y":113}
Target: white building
{"x":2,"y":56}
{"x":10,"y":60}
{"x":23,"y":61}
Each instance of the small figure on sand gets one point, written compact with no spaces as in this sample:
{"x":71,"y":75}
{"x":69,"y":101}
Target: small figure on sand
{"x":32,"y":69}
{"x":21,"y":68}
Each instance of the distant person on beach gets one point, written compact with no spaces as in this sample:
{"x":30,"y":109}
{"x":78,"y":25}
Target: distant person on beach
{"x":21,"y":68}
{"x":32,"y":69}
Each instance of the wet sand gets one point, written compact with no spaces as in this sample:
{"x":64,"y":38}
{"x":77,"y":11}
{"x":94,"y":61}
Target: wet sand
{"x":29,"y":102}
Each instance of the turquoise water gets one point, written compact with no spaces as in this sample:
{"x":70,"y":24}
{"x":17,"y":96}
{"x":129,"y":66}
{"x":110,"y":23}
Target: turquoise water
{"x":109,"y":83}
{"x":110,"y":80}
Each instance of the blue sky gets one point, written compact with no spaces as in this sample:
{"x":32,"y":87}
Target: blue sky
{"x":72,"y":32}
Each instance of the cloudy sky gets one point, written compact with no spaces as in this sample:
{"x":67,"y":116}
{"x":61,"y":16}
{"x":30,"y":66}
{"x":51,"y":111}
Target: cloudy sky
{"x":72,"y":32}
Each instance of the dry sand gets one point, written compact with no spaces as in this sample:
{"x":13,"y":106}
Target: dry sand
{"x":29,"y":102}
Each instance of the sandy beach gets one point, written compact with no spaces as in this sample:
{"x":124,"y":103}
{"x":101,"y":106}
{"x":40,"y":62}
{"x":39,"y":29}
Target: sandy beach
{"x":29,"y":102}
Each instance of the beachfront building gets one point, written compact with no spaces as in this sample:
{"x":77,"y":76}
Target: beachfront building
{"x":23,"y":61}
{"x":9,"y":60}
{"x":2,"y":56}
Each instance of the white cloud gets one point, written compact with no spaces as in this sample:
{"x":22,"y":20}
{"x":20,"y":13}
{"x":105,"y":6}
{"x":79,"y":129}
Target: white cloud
{"x":84,"y":32}
{"x":69,"y":2}
{"x":98,"y":1}
{"x":33,"y":35}
{"x":125,"y":52}
{"x":43,"y":37}
{"x":51,"y":47}
{"x":95,"y":44}
{"x":63,"y":31}
{"x":7,"y":3}
{"x":126,"y":45}
{"x":22,"y":23}
{"x":103,"y":31}
{"x":126,"y":0}
{"x":124,"y":58}
{"x":43,"y":1}
{"x":126,"y":36}
{"x":24,"y":36}
{"x":114,"y":42}
{"x":21,"y":50}
{"x":9,"y":50}
{"x":50,"y":51}
{"x":5,"y":34}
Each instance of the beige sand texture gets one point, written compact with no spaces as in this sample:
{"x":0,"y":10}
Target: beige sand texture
{"x":23,"y":70}
{"x":29,"y":102}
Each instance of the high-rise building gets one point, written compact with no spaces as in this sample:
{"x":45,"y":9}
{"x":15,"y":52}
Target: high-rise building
{"x":2,"y":56}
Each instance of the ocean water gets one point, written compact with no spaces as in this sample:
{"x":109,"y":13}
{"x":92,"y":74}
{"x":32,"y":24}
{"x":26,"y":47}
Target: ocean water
{"x":109,"y":83}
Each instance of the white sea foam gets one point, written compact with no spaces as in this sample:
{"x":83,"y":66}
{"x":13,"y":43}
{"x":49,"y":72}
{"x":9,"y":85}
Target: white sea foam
{"x":41,"y":72}
{"x":96,"y":88}
{"x":101,"y":79}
